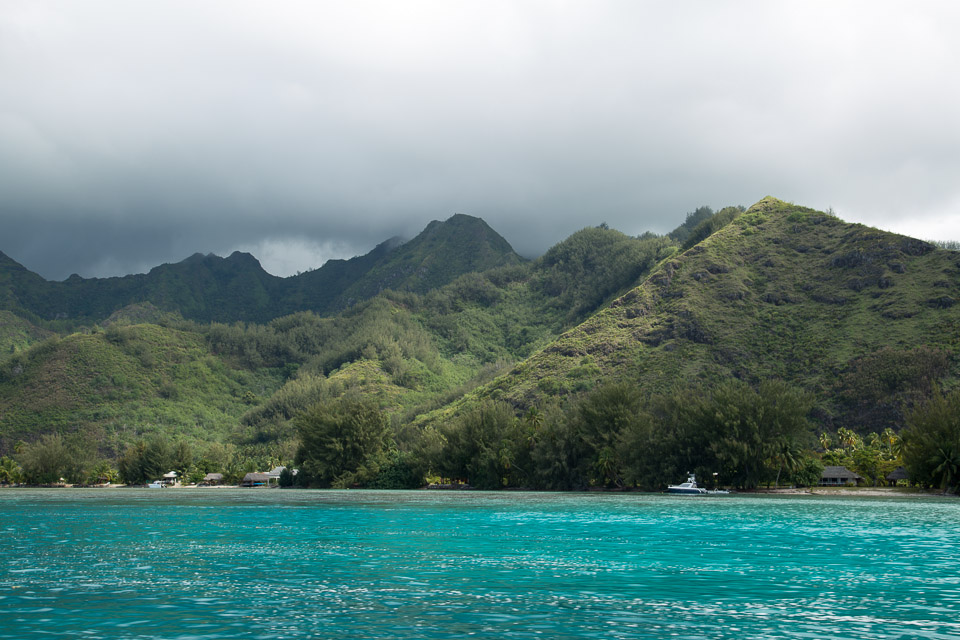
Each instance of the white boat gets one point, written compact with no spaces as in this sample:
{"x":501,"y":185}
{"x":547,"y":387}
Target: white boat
{"x":156,"y":484}
{"x":687,"y":488}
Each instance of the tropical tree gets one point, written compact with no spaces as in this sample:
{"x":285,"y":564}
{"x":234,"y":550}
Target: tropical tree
{"x":787,"y":455}
{"x":10,"y":472}
{"x":480,"y":446}
{"x":603,"y":418}
{"x":931,"y":441}
{"x":343,"y":442}
{"x":145,"y":460}
{"x":49,"y":459}
{"x":748,"y":427}
{"x":102,"y":473}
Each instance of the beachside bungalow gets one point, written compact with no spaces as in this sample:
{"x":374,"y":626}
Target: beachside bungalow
{"x":255,"y":479}
{"x":169,"y":479}
{"x":213,"y":479}
{"x":838,"y":477}
{"x":273,"y":476}
{"x":898,"y":474}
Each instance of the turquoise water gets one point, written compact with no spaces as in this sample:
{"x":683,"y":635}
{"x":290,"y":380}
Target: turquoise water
{"x":199,"y":564}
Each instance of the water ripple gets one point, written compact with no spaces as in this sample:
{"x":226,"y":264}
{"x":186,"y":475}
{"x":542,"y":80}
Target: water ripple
{"x":294,"y":564}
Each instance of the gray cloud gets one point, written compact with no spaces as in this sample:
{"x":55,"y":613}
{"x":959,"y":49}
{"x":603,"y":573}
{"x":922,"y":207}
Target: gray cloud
{"x":135,"y":134}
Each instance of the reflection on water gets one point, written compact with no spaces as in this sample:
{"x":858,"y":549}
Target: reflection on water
{"x":292,"y":564}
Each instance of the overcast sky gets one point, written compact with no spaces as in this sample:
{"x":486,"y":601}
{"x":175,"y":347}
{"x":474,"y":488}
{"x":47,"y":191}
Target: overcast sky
{"x":137,"y":133}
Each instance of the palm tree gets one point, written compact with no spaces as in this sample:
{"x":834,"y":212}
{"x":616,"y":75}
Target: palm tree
{"x":10,"y":471}
{"x":849,"y":439}
{"x":533,"y":419}
{"x":892,"y":442}
{"x":947,"y":459}
{"x":608,"y":466}
{"x":102,"y":473}
{"x":787,"y":454}
{"x":825,"y":441}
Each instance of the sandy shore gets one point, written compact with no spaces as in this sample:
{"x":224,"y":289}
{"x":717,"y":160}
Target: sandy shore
{"x":898,"y":492}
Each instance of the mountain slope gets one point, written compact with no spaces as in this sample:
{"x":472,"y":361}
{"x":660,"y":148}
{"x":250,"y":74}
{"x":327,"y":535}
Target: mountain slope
{"x":436,"y":256}
{"x":114,"y":385}
{"x":236,"y":288}
{"x":781,"y":292}
{"x":412,"y":352}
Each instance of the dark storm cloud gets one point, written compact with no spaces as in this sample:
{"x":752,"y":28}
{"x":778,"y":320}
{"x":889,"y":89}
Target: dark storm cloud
{"x":133,"y":134}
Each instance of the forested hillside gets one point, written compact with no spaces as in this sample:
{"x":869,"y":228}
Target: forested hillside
{"x":411,"y":352}
{"x":724,"y":347}
{"x":859,"y":317}
{"x":776,"y":324}
{"x":236,"y":288}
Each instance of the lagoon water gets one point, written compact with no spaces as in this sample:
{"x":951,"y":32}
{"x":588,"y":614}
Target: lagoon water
{"x":265,"y":564}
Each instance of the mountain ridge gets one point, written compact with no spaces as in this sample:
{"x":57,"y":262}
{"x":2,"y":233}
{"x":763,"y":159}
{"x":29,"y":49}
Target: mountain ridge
{"x":820,"y":293}
{"x":206,"y":287}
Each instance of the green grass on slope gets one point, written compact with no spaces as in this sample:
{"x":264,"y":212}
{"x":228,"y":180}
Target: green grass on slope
{"x":118,"y":384}
{"x":16,"y":334}
{"x":781,"y":292}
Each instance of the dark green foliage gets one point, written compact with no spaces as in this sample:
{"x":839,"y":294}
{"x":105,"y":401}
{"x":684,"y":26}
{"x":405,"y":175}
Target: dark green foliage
{"x":749,"y":429}
{"x":808,"y":473}
{"x":531,"y":374}
{"x":287,"y":478}
{"x":877,"y":386}
{"x":478,"y":447}
{"x":743,"y":435}
{"x":711,"y":225}
{"x":400,"y":470}
{"x":587,"y":268}
{"x":931,"y":441}
{"x":605,"y":417}
{"x":236,"y":288}
{"x":147,"y":460}
{"x":50,"y":459}
{"x":342,"y":443}
{"x":682,"y":233}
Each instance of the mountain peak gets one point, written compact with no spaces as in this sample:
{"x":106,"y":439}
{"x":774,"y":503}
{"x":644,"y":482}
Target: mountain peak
{"x":9,"y":263}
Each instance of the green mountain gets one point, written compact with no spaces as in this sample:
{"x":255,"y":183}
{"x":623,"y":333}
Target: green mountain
{"x":863,"y":319}
{"x":16,"y":334}
{"x":413,"y":352}
{"x":210,"y":288}
{"x":113,"y":386}
{"x":453,"y":336}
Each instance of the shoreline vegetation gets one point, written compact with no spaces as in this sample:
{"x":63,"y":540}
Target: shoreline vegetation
{"x":775,"y":346}
{"x":850,"y":491}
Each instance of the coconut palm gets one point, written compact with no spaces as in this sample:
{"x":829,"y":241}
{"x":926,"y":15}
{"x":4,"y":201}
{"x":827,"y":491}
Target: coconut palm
{"x":10,"y":471}
{"x":787,"y":455}
{"x":947,"y":461}
{"x":825,"y":441}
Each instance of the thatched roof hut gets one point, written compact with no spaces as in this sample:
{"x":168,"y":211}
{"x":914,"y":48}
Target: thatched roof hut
{"x":897,"y":474}
{"x":838,"y":477}
{"x":213,"y":478}
{"x":255,"y":479}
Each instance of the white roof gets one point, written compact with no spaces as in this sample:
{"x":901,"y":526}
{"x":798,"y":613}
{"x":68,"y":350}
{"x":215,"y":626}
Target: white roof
{"x":171,"y":474}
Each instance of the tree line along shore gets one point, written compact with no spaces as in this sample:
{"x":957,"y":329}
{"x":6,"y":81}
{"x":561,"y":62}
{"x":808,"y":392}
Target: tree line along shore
{"x":612,"y":438}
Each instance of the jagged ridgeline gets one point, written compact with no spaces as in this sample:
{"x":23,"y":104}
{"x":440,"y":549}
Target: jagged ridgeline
{"x":863,"y":319}
{"x":413,"y":349}
{"x":215,"y":350}
{"x":211,"y":288}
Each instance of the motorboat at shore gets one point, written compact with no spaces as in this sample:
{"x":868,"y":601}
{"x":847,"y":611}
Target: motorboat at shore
{"x":690,"y":488}
{"x":687,"y":488}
